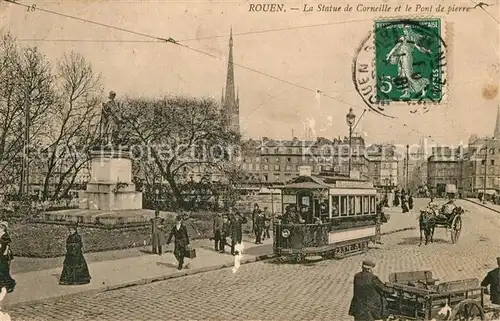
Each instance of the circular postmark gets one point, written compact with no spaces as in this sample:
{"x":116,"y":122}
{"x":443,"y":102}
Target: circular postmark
{"x":401,"y":61}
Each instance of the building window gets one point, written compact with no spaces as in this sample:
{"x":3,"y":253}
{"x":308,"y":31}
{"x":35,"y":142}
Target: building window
{"x":288,"y":168}
{"x":276,"y":167}
{"x":276,"y":150}
{"x":288,"y":177}
{"x":335,"y":206}
{"x":289,"y":151}
{"x":492,"y":162}
{"x":343,"y":205}
{"x":257,"y":159}
{"x":266,"y":160}
{"x":277,"y":159}
{"x":257,"y":167}
{"x":266,"y":167}
{"x":483,"y":162}
{"x":266,"y":178}
{"x":276,"y":177}
{"x":289,"y":159}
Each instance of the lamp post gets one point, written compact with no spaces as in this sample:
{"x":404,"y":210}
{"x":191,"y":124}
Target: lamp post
{"x":157,"y":194}
{"x":485,"y":171}
{"x":407,"y":166}
{"x":350,"y":119}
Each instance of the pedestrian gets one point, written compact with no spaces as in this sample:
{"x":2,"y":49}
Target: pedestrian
{"x":237,"y":221}
{"x":181,"y":242}
{"x":404,"y":203}
{"x":267,"y":224}
{"x":410,"y":201}
{"x":6,"y":257}
{"x":368,"y":302}
{"x":259,"y":227}
{"x":218,"y":224}
{"x":157,"y":233}
{"x":226,"y":231}
{"x":75,"y":270}
{"x":255,"y":212}
{"x":492,"y":280}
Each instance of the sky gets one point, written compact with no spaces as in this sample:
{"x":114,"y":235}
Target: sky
{"x":287,"y":56}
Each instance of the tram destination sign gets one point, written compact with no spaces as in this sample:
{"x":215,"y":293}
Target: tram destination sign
{"x":353,"y":184}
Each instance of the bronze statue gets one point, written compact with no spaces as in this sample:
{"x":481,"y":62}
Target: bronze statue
{"x":109,"y":121}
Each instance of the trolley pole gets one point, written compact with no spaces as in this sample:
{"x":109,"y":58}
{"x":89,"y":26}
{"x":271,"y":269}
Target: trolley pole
{"x":407,"y":165}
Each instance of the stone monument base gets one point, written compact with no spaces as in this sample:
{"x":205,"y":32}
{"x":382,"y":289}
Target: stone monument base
{"x":110,"y":187}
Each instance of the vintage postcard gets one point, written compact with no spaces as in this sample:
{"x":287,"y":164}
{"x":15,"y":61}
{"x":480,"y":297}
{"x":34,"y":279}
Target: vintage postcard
{"x":250,"y":160}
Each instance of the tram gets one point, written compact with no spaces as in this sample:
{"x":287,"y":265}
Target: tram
{"x":325,"y":216}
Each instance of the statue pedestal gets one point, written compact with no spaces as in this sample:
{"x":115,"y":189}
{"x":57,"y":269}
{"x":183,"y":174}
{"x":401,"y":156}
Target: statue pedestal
{"x":110,"y":187}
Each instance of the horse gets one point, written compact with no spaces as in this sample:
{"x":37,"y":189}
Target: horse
{"x":427,"y":225}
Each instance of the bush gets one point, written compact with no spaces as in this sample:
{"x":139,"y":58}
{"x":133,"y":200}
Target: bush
{"x":49,"y":240}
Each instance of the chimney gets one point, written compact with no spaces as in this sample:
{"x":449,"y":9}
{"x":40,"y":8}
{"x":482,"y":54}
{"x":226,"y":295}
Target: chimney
{"x":305,"y":170}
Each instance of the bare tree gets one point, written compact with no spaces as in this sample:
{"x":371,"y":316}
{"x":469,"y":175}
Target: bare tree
{"x":26,"y":95}
{"x":177,"y":134}
{"x":73,"y":127}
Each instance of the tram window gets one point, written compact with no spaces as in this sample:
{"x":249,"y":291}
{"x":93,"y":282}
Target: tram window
{"x":366,"y":204}
{"x":351,"y":205}
{"x":335,"y":206}
{"x":372,"y":204}
{"x":359,"y":209}
{"x":343,"y":205}
{"x":305,"y":200}
{"x":289,"y":199}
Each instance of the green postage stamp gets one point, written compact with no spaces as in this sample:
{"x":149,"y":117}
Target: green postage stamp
{"x":409,"y":60}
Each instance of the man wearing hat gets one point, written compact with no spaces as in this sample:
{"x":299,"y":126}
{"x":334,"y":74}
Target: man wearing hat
{"x":368,"y":302}
{"x":492,"y":279}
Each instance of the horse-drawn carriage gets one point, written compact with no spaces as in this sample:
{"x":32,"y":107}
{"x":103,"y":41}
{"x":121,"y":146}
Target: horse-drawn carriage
{"x":417,"y":296}
{"x":449,"y":216}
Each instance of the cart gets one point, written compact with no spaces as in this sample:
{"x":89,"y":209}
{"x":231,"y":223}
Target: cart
{"x":417,"y":296}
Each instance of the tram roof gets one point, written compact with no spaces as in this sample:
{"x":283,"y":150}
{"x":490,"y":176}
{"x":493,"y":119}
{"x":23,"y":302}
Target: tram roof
{"x":321,"y":182}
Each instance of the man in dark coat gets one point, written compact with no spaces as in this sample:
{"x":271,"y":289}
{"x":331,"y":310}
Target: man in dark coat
{"x":259,"y":227}
{"x":492,"y":280}
{"x":237,"y":221}
{"x":218,"y":224}
{"x":179,"y":232}
{"x":255,"y":212}
{"x":157,"y":233}
{"x":368,"y":302}
{"x":226,"y":231}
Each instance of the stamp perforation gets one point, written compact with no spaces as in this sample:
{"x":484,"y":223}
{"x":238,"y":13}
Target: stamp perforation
{"x":444,"y":31}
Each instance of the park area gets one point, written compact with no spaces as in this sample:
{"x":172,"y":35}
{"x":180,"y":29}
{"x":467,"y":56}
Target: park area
{"x":41,"y":239}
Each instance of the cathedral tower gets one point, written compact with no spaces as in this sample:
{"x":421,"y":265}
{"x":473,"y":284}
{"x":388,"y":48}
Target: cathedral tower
{"x":230,"y":101}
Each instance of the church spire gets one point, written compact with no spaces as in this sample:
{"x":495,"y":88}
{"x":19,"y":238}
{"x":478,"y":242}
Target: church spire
{"x":230,"y":103}
{"x":497,"y":125}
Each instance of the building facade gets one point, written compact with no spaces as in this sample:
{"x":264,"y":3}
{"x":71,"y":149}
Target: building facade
{"x":443,"y":167}
{"x":271,"y":161}
{"x":383,"y":166}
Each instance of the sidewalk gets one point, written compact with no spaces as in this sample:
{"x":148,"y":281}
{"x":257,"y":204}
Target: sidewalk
{"x":488,"y":205}
{"x":43,"y":285}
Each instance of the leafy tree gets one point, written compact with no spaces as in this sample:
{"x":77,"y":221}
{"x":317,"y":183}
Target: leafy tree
{"x":175,"y":136}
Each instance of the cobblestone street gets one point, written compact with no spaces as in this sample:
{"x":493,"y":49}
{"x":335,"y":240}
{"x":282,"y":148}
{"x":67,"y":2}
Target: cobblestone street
{"x":286,"y":291}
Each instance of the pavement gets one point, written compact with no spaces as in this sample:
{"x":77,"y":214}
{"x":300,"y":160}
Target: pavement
{"x":488,"y":205}
{"x":42,"y":286}
{"x":270,"y":291}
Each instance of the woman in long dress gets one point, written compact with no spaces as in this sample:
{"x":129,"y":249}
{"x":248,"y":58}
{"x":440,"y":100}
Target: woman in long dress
{"x":5,"y":258}
{"x":402,"y":55}
{"x":75,"y":270}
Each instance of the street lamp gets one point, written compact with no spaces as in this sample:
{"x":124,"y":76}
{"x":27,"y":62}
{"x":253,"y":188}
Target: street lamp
{"x":350,"y":119}
{"x":157,"y":193}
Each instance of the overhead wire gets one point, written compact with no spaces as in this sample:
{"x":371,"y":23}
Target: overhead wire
{"x":174,"y":42}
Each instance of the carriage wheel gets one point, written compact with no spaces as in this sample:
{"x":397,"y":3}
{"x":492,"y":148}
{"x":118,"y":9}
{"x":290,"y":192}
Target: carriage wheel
{"x":467,"y":310}
{"x":456,"y":228}
{"x":299,"y":258}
